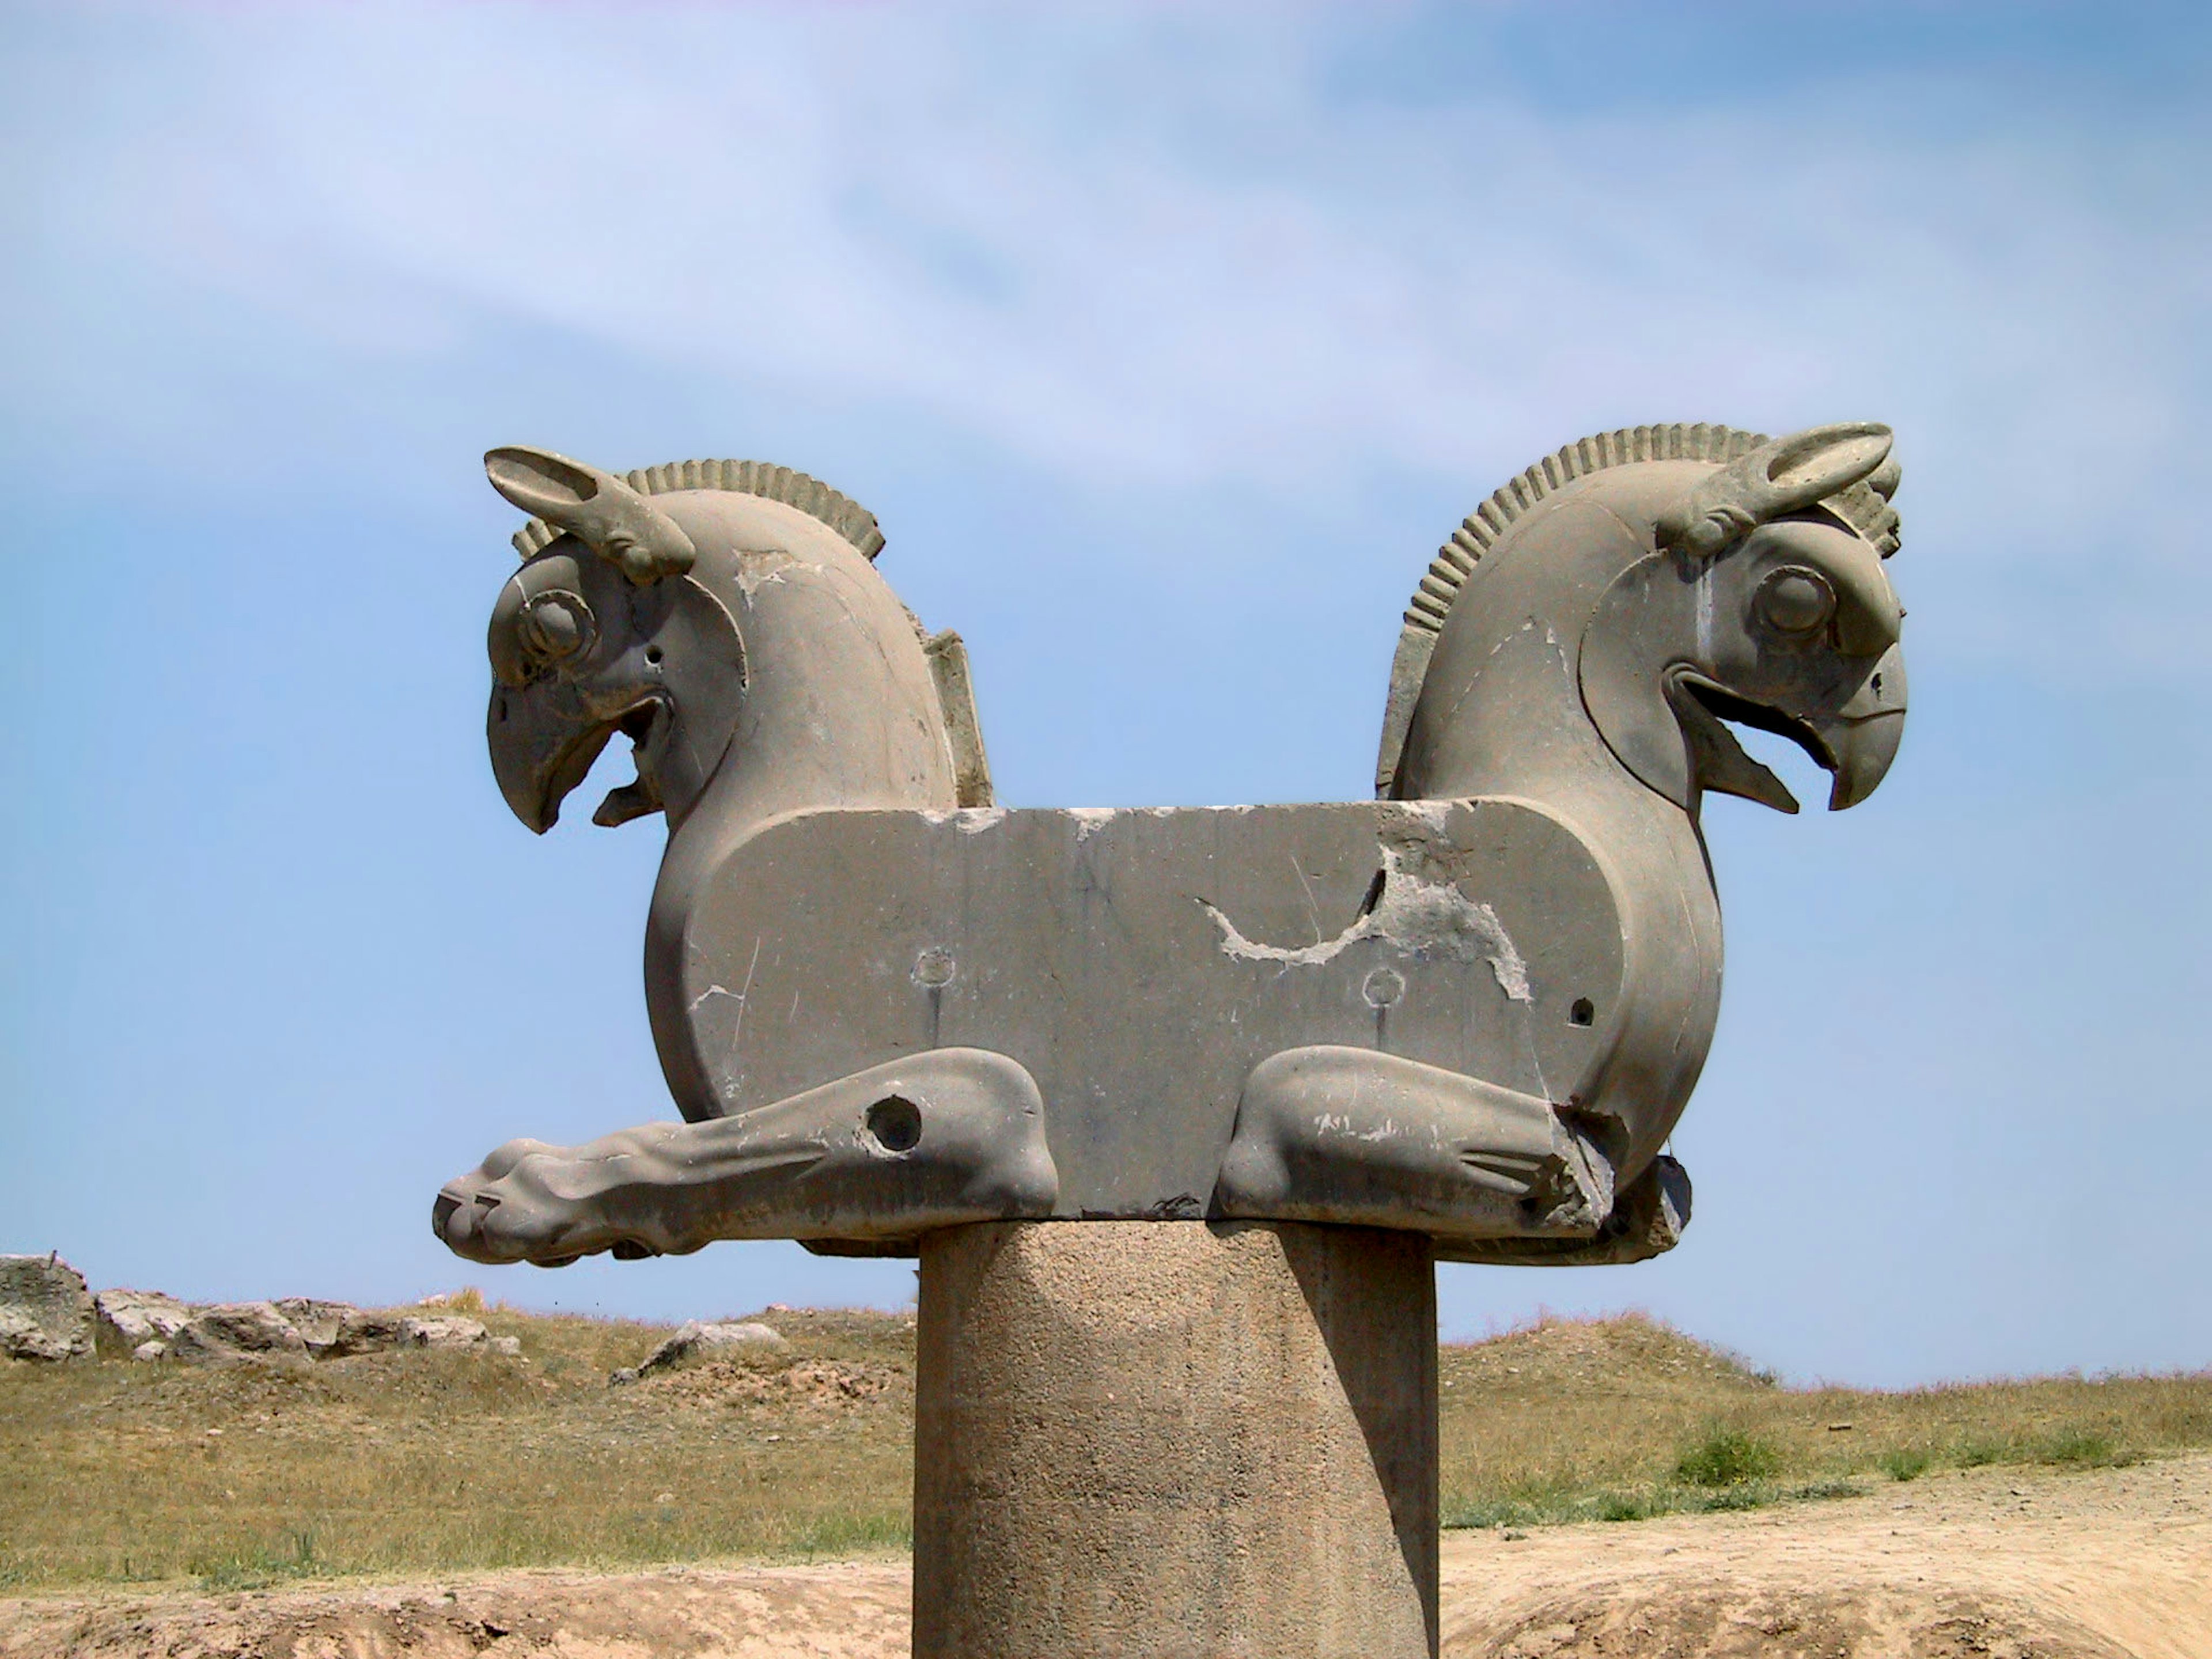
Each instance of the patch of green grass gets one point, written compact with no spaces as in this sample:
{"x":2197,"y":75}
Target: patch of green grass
{"x":1904,"y":1463}
{"x":1628,"y":1506}
{"x":1619,"y":1503}
{"x":1821,"y":1491}
{"x":1726,"y":1458}
{"x":842,"y":1535}
{"x":294,"y":1557}
{"x":2082,"y":1449}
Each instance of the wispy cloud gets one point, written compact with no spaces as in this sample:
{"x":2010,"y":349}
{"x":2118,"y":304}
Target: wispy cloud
{"x":1186,"y":254}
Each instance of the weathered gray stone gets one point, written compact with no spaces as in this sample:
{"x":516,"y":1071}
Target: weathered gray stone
{"x":130,"y":1320}
{"x":1138,"y":1439}
{"x":148,"y":1325}
{"x":719,"y":1340}
{"x":443,"y":1331}
{"x":318,"y":1322}
{"x":237,"y":1330}
{"x":1475,"y":1010}
{"x":380,"y":1330}
{"x":368,"y":1330}
{"x":46,"y":1312}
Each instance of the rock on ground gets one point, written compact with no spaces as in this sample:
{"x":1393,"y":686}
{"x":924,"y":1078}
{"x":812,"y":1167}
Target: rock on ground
{"x":238,"y":1330}
{"x":694,"y":1339}
{"x":318,"y":1323}
{"x":46,"y":1312}
{"x":132,"y":1319}
{"x":151,"y":1326}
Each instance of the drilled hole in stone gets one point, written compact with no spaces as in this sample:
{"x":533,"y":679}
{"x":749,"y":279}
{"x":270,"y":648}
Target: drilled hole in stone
{"x":896,"y":1123}
{"x":1384,"y":987}
{"x":933,"y":969}
{"x":1877,"y":685}
{"x":653,"y":654}
{"x":1582,"y":1011}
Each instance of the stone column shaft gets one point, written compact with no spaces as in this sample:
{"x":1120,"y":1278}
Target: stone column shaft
{"x":1143,"y":1439}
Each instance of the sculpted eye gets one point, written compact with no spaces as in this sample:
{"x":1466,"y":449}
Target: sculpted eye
{"x":555,"y":626}
{"x":1797,"y":600}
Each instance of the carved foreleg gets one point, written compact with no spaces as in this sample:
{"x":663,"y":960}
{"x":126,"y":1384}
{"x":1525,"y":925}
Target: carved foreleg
{"x":954,"y":1135}
{"x":1352,"y":1136}
{"x":1649,"y":1215}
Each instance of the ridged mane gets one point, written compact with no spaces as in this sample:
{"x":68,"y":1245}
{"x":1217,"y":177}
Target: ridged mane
{"x":1861,"y":506}
{"x":775,"y":483}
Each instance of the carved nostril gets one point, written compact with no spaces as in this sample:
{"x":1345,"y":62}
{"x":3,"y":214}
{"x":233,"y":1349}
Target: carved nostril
{"x":896,"y":1124}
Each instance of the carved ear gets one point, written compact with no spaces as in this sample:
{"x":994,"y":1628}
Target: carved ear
{"x":1786,"y":476}
{"x":597,"y":509}
{"x":549,"y":486}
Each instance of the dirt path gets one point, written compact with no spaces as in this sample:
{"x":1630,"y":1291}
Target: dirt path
{"x":1995,"y":1564}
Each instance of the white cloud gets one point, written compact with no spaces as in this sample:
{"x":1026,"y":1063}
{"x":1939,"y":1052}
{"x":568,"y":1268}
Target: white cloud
{"x":1139,"y":250}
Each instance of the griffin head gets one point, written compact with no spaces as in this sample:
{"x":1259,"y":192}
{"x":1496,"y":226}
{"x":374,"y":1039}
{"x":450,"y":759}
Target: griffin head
{"x":1760,"y":604}
{"x":604,"y":630}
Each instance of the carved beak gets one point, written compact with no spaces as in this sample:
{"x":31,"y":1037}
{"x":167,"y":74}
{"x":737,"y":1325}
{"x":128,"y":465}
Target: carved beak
{"x":1862,"y":736}
{"x":1854,"y":741}
{"x":543,"y":743}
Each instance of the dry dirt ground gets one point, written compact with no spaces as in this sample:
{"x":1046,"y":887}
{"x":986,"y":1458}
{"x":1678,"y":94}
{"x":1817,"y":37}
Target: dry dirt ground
{"x":1983,"y":1564}
{"x":1993,"y":1561}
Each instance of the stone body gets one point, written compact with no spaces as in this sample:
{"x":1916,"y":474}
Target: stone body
{"x":1474,"y":1010}
{"x":1145,"y":1439}
{"x":46,"y":1312}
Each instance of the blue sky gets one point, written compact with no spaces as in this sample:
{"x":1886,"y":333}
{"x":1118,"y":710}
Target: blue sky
{"x":1167,"y":343}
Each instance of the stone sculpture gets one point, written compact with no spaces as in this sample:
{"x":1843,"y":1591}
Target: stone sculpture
{"x":887,"y":1006}
{"x":1469,"y":1012}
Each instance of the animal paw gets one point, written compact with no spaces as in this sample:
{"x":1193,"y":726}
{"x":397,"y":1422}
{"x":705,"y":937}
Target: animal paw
{"x":529,"y":1201}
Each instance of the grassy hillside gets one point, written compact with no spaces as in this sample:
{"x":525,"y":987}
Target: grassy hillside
{"x":442,"y":1461}
{"x":1623,"y":1417}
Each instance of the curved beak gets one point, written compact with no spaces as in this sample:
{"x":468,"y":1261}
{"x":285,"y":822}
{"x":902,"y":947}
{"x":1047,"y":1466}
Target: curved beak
{"x":1861,"y":734}
{"x":543,"y":743}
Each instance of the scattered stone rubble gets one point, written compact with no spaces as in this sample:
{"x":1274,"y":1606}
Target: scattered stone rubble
{"x":697,"y":1340}
{"x":47,"y":1314}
